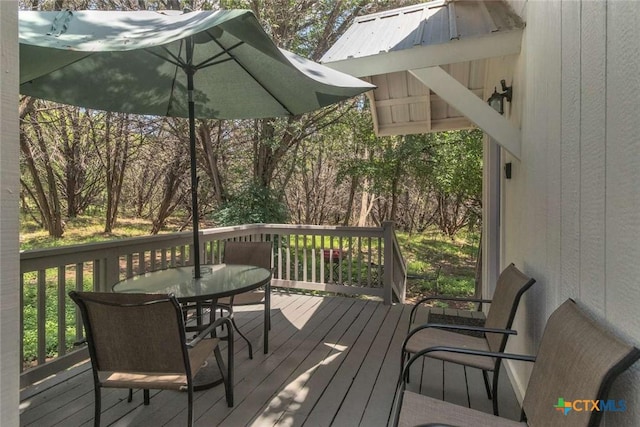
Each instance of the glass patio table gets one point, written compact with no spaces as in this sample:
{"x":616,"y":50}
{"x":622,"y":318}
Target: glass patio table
{"x":217,"y":281}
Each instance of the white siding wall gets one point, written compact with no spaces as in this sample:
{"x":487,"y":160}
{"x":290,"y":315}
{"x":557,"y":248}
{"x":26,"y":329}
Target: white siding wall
{"x":579,"y":176}
{"x":9,"y":191}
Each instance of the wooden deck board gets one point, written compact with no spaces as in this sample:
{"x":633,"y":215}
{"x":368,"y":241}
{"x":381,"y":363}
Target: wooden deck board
{"x":291,"y":350}
{"x":310,"y":354}
{"x":327,"y":376}
{"x":355,"y":402}
{"x":333,"y":396}
{"x":379,"y":405}
{"x":332,"y":362}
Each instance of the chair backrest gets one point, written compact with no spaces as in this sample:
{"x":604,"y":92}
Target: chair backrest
{"x":248,"y":253}
{"x":578,"y":359}
{"x":133,"y":332}
{"x":512,"y":283}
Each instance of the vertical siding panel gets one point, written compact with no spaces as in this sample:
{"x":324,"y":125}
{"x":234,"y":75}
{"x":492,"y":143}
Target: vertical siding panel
{"x":533,"y":185}
{"x":526,"y":210}
{"x":9,"y":192}
{"x":553,"y":71}
{"x":623,"y":191}
{"x":623,"y":164}
{"x":570,"y":152}
{"x":592,"y":171}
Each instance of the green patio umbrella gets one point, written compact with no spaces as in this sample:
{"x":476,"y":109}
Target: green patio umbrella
{"x":208,"y":64}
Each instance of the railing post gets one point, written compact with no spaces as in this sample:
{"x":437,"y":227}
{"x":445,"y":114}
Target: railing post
{"x":387,"y":271}
{"x":111,"y":271}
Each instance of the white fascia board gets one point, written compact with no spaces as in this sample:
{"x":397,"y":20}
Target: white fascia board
{"x":474,"y":108}
{"x":468,"y":49}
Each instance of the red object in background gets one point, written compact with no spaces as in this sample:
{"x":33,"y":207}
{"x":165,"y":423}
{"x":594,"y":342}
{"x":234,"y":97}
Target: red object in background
{"x":331,"y":254}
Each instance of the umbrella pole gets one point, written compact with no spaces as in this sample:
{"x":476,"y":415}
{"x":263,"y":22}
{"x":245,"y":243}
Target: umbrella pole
{"x":190,"y":70}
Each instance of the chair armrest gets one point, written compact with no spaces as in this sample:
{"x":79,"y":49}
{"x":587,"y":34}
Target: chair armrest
{"x":456,"y":327}
{"x":480,"y":301}
{"x":80,"y":342}
{"x":496,"y":354}
{"x":209,"y":329}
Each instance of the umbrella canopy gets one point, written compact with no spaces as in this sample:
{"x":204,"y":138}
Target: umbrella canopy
{"x":208,"y":64}
{"x":136,"y":62}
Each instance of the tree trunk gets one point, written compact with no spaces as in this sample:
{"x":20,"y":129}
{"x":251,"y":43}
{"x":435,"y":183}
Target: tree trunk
{"x":212,"y":159}
{"x":45,"y":196}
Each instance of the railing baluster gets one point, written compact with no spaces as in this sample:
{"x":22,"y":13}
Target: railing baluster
{"x":296,"y":258}
{"x":141,"y":262}
{"x":21,"y":322}
{"x":350,"y":261}
{"x":288,"y":257}
{"x":304,"y":258}
{"x":62,"y":311}
{"x":98,"y":283}
{"x":42,"y":315}
{"x":152,"y":259}
{"x":379,"y":262}
{"x":79,"y":286}
{"x":369,"y":258}
{"x":129,"y":267}
{"x":322,"y":249}
{"x":313,"y":258}
{"x":280,"y":256}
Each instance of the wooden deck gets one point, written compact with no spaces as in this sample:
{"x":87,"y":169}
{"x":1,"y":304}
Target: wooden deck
{"x":332,"y":361}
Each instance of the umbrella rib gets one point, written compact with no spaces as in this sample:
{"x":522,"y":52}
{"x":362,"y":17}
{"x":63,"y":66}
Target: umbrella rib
{"x":176,"y":60}
{"x":253,"y":77}
{"x":211,"y":64}
{"x":208,"y":62}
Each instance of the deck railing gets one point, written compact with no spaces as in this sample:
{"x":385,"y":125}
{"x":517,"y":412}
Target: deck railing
{"x":344,"y":260}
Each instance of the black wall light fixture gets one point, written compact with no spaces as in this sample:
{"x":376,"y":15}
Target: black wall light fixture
{"x":507,"y":170}
{"x":496,"y":100}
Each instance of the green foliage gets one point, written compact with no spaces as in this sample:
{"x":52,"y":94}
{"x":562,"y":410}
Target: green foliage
{"x":252,"y":204}
{"x":456,"y":162}
{"x":30,"y":312}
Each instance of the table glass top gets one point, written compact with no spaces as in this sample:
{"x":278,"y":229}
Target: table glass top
{"x":216,"y":281}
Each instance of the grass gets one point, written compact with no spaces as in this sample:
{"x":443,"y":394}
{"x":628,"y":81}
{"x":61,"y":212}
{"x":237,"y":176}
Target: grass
{"x":425,"y":254}
{"x":428,"y":252}
{"x":83,"y":230}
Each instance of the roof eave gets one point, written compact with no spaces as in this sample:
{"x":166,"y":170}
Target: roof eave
{"x":497,"y":44}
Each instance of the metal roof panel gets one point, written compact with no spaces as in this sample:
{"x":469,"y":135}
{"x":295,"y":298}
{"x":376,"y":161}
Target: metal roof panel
{"x":422,"y":25}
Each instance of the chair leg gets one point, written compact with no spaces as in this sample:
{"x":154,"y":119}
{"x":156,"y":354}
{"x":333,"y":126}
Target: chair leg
{"x":403,"y":358}
{"x":495,"y":388}
{"x":190,"y":408}
{"x":97,"y":406}
{"x":487,"y":387}
{"x":235,"y":326}
{"x":146,"y":396}
{"x":485,"y":376}
{"x":227,"y":377}
{"x":267,"y":319}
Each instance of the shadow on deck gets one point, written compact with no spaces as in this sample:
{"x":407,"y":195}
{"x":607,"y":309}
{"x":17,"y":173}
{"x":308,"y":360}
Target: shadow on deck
{"x":332,"y":361}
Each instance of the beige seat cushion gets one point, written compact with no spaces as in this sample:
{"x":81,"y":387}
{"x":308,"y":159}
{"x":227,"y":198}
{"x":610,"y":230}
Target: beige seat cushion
{"x":432,"y":337}
{"x":165,"y":381}
{"x":420,"y":410}
{"x":247,"y":298}
{"x":199,"y":354}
